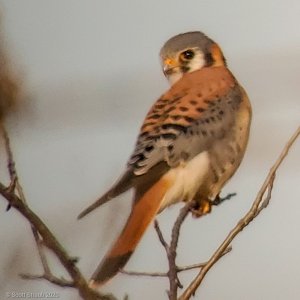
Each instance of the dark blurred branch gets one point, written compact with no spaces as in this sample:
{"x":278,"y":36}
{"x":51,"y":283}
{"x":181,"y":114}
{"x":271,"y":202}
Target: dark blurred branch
{"x":10,"y":81}
{"x":261,"y":201}
{"x":43,"y":236}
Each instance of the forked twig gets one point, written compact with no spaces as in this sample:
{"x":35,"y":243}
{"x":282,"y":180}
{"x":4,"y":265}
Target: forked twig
{"x":49,"y":277}
{"x":172,"y":274}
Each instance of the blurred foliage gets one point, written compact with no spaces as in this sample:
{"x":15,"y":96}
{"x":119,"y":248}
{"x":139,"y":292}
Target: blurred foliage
{"x":10,"y":84}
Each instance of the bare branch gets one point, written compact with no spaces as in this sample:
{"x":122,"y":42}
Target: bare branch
{"x":173,"y":277}
{"x":10,"y":161}
{"x":15,"y":185}
{"x":42,"y":234}
{"x":261,"y":201}
{"x":171,"y":251}
{"x":160,"y":236}
{"x":42,"y":255}
{"x":172,"y":274}
{"x":55,"y":280}
{"x":166,"y":274}
{"x":201,"y":265}
{"x":148,"y":274}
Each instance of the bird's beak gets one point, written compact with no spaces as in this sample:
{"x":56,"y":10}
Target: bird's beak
{"x":169,"y":65}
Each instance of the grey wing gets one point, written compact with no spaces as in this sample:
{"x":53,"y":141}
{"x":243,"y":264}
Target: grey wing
{"x":173,"y":142}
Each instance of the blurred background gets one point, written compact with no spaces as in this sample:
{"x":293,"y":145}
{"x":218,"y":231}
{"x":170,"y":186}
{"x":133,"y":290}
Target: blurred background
{"x":90,"y":72}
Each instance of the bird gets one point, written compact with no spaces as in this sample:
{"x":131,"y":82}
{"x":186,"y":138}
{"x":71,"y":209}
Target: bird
{"x":191,"y":142}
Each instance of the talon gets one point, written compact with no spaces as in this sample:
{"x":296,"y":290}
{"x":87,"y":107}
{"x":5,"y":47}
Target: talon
{"x":218,"y":200}
{"x":203,"y":208}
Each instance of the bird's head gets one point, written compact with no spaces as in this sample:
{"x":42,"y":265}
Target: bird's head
{"x":188,"y":52}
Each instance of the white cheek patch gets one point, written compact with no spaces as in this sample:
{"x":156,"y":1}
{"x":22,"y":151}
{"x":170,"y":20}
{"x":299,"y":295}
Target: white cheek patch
{"x":197,"y":63}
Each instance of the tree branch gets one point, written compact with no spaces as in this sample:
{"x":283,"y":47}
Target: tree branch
{"x":173,"y":277}
{"x":53,"y":279}
{"x":172,"y":274}
{"x":160,"y":236}
{"x":40,"y":230}
{"x":261,"y":201}
{"x":15,"y":185}
{"x":166,"y":274}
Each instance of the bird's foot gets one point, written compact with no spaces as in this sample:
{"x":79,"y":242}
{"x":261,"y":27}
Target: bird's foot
{"x":201,"y":209}
{"x":204,"y":207}
{"x":218,"y":200}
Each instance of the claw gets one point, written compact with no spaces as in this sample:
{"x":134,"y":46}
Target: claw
{"x":218,"y":200}
{"x":203,"y":208}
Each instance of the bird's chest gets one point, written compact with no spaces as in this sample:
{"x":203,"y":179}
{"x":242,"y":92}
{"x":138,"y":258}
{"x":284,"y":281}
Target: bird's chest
{"x":227,"y":153}
{"x":186,"y":179}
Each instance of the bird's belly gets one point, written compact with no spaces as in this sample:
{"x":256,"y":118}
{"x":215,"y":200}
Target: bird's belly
{"x":186,"y":179}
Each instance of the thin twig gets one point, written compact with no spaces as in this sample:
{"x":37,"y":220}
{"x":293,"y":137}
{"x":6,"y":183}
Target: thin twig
{"x":42,"y":255}
{"x":148,"y":274}
{"x":172,"y":274}
{"x":55,"y":280}
{"x":160,"y":236}
{"x":166,"y":274}
{"x":10,"y":159}
{"x":201,"y":265}
{"x":258,"y":205}
{"x":171,"y":249}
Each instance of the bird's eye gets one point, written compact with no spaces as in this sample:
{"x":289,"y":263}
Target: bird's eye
{"x":187,"y":55}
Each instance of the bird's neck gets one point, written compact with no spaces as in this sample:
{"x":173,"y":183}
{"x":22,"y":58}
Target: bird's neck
{"x":173,"y":78}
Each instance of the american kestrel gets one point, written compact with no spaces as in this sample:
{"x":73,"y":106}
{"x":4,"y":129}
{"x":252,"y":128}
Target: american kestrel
{"x":191,"y":142}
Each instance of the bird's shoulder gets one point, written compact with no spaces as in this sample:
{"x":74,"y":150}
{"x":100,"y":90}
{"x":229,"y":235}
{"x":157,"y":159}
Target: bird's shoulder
{"x":189,"y":98}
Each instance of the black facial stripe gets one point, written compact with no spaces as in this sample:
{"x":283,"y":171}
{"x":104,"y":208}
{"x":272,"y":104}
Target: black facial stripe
{"x":208,"y":59}
{"x":184,"y":69}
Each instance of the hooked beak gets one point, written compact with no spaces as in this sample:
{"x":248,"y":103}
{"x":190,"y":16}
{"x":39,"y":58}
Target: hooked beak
{"x":169,"y":65}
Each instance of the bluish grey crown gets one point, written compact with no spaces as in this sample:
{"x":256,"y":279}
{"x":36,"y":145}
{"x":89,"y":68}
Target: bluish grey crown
{"x":186,"y":40}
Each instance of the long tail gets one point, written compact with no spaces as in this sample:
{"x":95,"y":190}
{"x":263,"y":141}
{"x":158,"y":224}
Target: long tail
{"x":143,"y":212}
{"x":121,"y":186}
